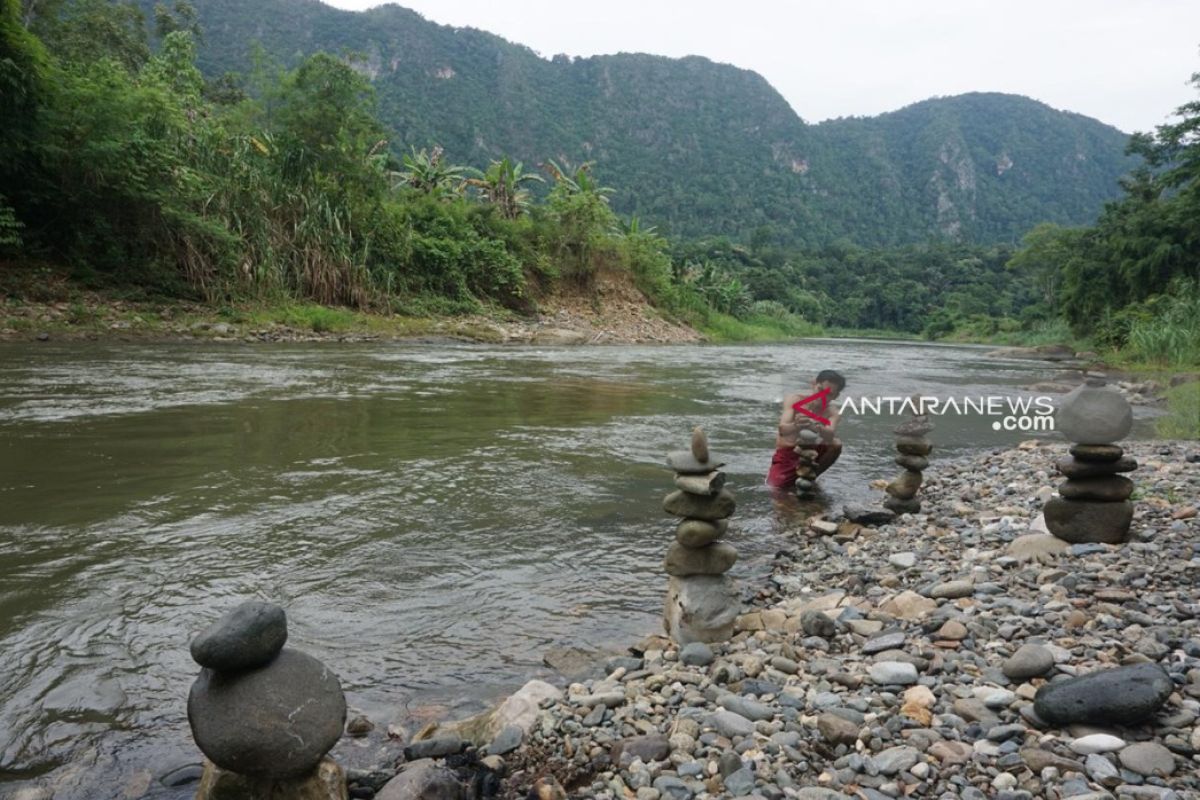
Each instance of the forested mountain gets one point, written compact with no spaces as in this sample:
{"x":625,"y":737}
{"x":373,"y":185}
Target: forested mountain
{"x":696,"y":147}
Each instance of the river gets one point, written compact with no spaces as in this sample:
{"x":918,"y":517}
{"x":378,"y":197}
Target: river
{"x":434,"y":518}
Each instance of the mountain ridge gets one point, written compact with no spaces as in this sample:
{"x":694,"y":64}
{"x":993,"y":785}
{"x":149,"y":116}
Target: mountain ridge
{"x":701,"y":147}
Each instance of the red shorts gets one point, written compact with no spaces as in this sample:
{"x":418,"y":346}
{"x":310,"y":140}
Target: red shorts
{"x":783,"y":465}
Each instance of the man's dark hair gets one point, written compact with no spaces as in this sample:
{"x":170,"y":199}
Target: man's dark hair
{"x":830,"y":376}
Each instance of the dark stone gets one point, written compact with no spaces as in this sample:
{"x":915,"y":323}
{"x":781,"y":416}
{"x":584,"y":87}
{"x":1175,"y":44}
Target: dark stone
{"x":913,"y":445}
{"x":699,"y":532}
{"x":1074,"y":468}
{"x":1119,"y":696}
{"x":274,"y":721}
{"x":817,"y":623}
{"x":246,"y":637}
{"x":867,"y":515}
{"x":910,"y":506}
{"x":508,"y":739}
{"x":436,"y":747}
{"x":717,"y":506}
{"x":654,"y":747}
{"x":424,"y":781}
{"x":1089,"y":521}
{"x":914,"y":463}
{"x":1110,"y":489}
{"x":714,"y":559}
{"x":684,"y":462}
{"x":1096,"y":452}
{"x":905,"y":486}
{"x":182,"y":776}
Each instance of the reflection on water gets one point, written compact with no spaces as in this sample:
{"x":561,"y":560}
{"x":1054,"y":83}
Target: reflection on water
{"x":434,"y":518}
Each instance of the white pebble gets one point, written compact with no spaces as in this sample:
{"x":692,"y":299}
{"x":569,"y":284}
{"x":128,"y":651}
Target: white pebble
{"x":1097,"y":743}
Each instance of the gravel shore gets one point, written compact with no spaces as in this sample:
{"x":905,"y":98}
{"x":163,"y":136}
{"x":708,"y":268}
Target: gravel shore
{"x":902,"y":661}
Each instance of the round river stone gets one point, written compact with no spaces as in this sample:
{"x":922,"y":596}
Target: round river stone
{"x":1111,"y":488}
{"x":248,"y":636}
{"x":1120,"y":696}
{"x":1075,"y":468}
{"x":714,"y":559}
{"x":699,"y":532}
{"x":694,"y":506}
{"x":1096,"y":452}
{"x":1082,"y":521}
{"x":1094,"y":415}
{"x":276,"y":721}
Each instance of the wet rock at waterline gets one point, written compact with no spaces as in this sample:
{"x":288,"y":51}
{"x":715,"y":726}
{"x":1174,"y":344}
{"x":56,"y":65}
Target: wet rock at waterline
{"x":264,"y":727}
{"x":275,"y":721}
{"x":326,"y":782}
{"x":867,"y":515}
{"x":701,"y":604}
{"x":249,"y":636}
{"x":1119,"y":696}
{"x":423,"y":780}
{"x":713,"y":559}
{"x":694,"y":506}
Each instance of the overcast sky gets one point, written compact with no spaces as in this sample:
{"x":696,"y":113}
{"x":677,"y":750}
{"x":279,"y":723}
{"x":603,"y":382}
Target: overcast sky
{"x":1125,"y":62}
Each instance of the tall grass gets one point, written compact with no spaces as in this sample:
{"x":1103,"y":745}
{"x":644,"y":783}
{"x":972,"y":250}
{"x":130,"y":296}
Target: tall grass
{"x":1182,"y":420}
{"x":1171,"y":336}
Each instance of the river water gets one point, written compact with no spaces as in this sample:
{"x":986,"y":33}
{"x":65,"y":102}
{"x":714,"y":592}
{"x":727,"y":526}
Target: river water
{"x":434,"y":518}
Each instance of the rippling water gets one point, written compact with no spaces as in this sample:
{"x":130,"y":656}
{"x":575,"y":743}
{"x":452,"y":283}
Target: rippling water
{"x":433,"y":518}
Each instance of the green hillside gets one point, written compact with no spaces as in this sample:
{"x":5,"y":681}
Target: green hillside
{"x":696,"y":147}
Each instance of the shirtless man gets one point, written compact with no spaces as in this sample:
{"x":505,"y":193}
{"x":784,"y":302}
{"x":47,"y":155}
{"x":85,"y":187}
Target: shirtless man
{"x":783,"y":464}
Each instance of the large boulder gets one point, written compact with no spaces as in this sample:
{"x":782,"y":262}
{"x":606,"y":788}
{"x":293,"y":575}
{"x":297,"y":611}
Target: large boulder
{"x":248,"y":636}
{"x":701,"y":608}
{"x":1119,"y":696}
{"x":276,"y":721}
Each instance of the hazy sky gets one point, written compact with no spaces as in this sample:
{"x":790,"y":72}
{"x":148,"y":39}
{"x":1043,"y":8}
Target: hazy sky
{"x":1125,"y":62}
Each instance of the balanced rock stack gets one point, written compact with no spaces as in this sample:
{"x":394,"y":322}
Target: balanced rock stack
{"x":264,"y":715}
{"x":806,"y":467}
{"x":913,"y":446}
{"x":1093,"y":505}
{"x":702,"y":601}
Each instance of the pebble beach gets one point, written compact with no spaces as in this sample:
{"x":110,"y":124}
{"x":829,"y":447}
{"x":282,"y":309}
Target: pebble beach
{"x":896,"y":661}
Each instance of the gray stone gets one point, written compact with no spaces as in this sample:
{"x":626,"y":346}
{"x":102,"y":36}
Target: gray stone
{"x":890,"y":640}
{"x":654,"y":747}
{"x":1148,"y":758}
{"x":276,"y":721}
{"x":1030,"y":661}
{"x":746,"y":707}
{"x":696,"y":654}
{"x":508,"y":739}
{"x":952,"y":590}
{"x":683,"y":461}
{"x":740,"y":783}
{"x":1118,"y":696}
{"x":705,"y":484}
{"x":701,"y":608}
{"x":893,"y":673}
{"x":913,"y":445}
{"x":896,"y":759}
{"x":836,"y":729}
{"x":1096,"y":452}
{"x":245,"y":637}
{"x":700,"y":532}
{"x":713,"y":559}
{"x":326,"y":782}
{"x":905,"y":486}
{"x":1101,"y":770}
{"x":1094,"y":415}
{"x":731,"y":725}
{"x":900,"y":506}
{"x":914,"y":463}
{"x":695,"y":506}
{"x":423,"y":780}
{"x":817,"y":623}
{"x":1088,"y":521}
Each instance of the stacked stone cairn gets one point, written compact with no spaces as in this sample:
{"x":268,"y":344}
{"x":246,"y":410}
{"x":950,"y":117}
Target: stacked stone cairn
{"x":806,"y":467}
{"x":264,"y":715}
{"x":913,"y":446}
{"x":702,"y":601}
{"x":1093,"y":506}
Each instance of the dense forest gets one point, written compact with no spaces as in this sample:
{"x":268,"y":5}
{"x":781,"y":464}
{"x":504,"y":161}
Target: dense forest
{"x":694,"y":147}
{"x":131,"y":166}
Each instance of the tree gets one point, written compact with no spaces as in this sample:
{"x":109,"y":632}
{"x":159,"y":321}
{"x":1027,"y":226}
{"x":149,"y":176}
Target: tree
{"x":426,"y":172}
{"x":501,"y":185}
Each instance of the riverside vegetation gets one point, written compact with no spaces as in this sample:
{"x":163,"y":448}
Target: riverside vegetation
{"x":285,"y":190}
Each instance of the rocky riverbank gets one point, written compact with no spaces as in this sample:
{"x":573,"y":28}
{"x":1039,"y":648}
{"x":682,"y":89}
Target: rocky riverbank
{"x":899,"y":661}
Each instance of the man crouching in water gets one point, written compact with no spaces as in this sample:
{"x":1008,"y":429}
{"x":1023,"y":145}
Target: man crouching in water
{"x":785,"y":460}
